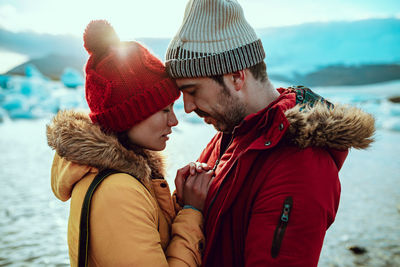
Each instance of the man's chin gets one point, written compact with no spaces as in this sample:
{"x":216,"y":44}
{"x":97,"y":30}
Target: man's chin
{"x":207,"y":120}
{"x":213,"y":122}
{"x":219,"y":126}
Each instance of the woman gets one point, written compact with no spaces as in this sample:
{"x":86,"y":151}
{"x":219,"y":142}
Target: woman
{"x":133,"y":219}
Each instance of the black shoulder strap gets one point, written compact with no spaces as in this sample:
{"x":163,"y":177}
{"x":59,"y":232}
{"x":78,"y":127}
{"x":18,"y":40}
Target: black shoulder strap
{"x":85,"y":215}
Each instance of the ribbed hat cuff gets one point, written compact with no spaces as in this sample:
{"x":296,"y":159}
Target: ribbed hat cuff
{"x":137,"y":108}
{"x":215,"y":64}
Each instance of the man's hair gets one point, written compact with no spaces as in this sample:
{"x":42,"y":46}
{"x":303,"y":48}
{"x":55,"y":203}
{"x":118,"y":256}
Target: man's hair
{"x":259,"y":72}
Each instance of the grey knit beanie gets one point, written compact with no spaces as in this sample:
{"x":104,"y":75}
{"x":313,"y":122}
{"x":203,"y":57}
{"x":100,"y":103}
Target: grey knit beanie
{"x":214,"y":39}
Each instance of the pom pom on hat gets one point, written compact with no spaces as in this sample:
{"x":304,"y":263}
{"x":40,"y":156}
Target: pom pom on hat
{"x":99,"y":36}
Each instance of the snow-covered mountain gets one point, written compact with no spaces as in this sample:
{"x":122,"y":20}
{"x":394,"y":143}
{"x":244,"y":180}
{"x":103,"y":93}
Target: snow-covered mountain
{"x":292,"y":52}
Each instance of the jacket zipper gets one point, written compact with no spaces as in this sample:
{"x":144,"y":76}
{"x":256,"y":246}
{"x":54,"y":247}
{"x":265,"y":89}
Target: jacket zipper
{"x":281,"y":227}
{"x":216,"y":164}
{"x":222,"y":152}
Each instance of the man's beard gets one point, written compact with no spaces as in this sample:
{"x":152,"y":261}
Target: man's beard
{"x":232,"y":113}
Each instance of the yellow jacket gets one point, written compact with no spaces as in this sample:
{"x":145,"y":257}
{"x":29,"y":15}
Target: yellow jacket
{"x":132,"y":223}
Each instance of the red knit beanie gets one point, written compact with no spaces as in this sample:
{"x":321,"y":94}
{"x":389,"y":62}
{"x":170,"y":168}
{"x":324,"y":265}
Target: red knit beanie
{"x":125,"y":83}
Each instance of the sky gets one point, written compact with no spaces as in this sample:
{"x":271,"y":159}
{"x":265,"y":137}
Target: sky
{"x":162,"y":18}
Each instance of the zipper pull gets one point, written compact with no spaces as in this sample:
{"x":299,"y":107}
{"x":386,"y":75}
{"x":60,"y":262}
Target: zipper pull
{"x":285,"y":213}
{"x":281,"y":227}
{"x":216,"y":165}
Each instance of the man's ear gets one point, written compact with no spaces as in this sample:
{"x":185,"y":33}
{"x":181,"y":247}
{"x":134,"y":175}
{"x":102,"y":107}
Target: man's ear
{"x":238,"y":79}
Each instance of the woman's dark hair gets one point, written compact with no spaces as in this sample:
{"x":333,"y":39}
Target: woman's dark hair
{"x":123,"y":139}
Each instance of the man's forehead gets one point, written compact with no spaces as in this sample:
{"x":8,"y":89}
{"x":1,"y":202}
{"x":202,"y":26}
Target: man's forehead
{"x":186,"y":83}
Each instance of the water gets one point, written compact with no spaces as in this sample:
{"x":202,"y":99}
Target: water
{"x":33,"y":223}
{"x":369,"y":211}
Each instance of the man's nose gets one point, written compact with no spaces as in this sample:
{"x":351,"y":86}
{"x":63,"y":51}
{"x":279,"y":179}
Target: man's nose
{"x":188,"y":103}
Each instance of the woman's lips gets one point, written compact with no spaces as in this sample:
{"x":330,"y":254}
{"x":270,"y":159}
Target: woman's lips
{"x":166,"y":135}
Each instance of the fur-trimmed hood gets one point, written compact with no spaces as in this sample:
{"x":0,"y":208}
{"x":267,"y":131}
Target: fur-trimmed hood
{"x":77,"y":139}
{"x":339,"y":127}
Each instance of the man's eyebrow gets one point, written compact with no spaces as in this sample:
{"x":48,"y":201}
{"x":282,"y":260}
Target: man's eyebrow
{"x":186,"y":86}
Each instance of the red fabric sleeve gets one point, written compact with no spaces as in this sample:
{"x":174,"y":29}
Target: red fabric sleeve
{"x":310,"y":177}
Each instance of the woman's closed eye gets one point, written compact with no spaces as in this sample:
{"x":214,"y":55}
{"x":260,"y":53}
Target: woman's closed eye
{"x":168,"y":109}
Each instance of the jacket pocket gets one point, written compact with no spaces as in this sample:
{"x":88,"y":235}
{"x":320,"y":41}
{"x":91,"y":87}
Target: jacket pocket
{"x":281,"y":227}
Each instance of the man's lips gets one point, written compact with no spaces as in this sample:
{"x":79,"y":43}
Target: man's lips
{"x":201,"y":113}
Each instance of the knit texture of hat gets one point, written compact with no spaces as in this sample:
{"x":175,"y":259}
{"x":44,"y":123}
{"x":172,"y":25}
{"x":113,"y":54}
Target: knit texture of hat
{"x":125,"y":83}
{"x":214,"y":39}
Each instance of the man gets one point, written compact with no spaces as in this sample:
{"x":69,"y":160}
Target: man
{"x":277,"y":154}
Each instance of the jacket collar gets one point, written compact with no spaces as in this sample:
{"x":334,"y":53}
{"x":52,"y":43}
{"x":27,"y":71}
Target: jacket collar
{"x":77,"y":139}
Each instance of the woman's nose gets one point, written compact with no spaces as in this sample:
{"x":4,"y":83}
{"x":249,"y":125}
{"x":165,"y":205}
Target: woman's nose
{"x":172,"y":120}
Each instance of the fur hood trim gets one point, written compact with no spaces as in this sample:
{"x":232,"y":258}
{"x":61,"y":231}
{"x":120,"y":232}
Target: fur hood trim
{"x":77,"y":139}
{"x":340,"y":127}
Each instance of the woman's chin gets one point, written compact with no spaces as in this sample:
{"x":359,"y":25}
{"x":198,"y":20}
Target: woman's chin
{"x":157,"y":147}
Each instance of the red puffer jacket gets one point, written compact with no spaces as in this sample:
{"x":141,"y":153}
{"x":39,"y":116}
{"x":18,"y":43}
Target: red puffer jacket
{"x":277,"y":190}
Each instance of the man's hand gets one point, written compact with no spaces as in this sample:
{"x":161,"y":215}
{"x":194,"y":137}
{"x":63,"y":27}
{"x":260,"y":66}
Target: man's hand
{"x":195,"y":189}
{"x":183,"y":173}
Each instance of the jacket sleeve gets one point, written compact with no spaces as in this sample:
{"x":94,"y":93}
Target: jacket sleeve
{"x":308,"y":181}
{"x":125,"y":232}
{"x":187,"y":241}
